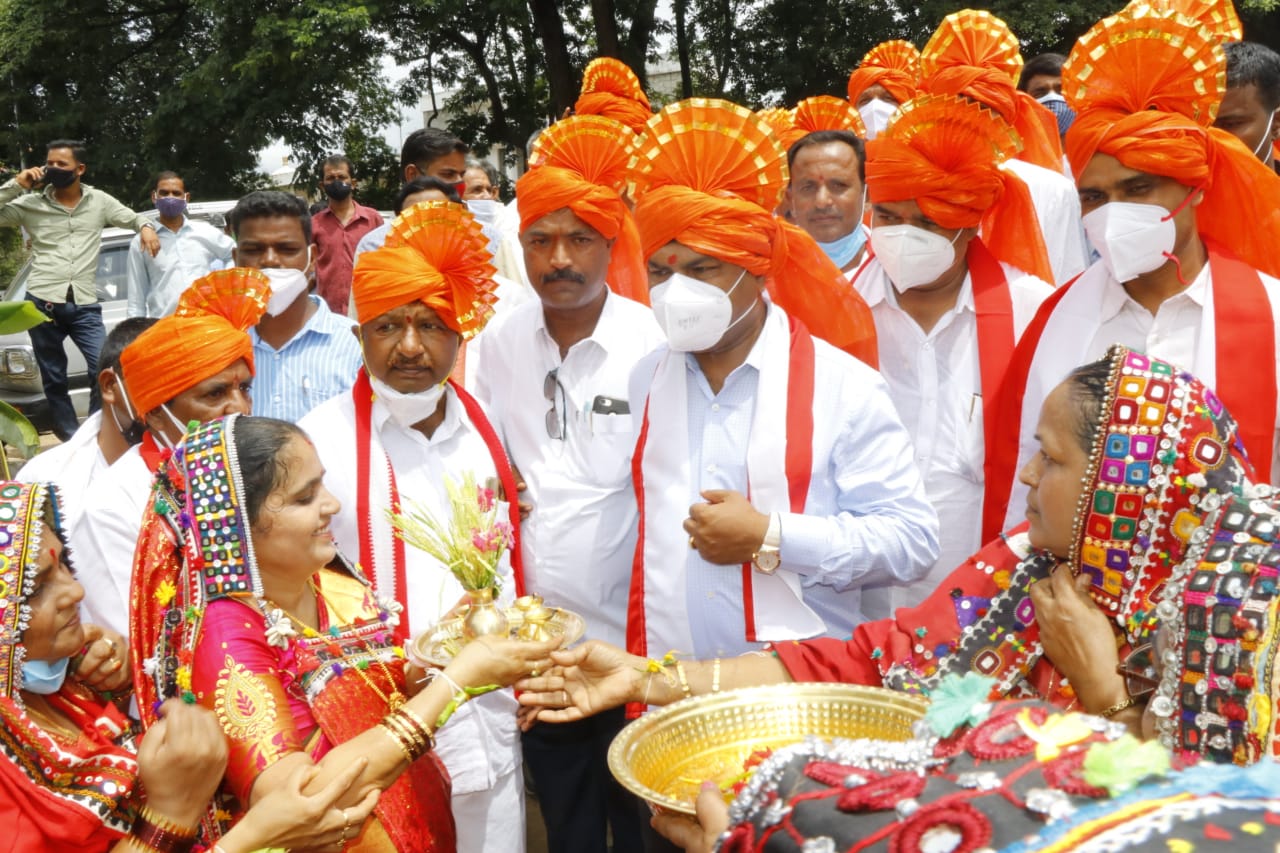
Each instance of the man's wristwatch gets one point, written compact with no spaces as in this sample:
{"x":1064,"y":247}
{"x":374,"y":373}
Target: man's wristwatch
{"x":768,"y":558}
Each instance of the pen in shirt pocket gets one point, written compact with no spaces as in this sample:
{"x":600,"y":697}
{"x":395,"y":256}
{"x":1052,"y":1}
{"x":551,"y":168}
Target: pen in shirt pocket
{"x":974,"y":400}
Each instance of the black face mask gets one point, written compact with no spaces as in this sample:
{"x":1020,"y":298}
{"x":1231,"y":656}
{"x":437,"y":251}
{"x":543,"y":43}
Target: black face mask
{"x":59,"y":178}
{"x":338,"y":190}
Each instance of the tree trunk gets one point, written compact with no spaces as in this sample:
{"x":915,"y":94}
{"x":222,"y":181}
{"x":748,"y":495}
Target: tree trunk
{"x":682,"y":49}
{"x":606,"y":23}
{"x":639,"y":38}
{"x":560,"y":76}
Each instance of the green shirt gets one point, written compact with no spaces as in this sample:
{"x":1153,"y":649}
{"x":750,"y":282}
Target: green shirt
{"x":64,"y":241}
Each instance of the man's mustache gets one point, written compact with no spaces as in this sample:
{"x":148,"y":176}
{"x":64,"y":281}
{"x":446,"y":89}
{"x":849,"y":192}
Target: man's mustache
{"x":564,"y":275}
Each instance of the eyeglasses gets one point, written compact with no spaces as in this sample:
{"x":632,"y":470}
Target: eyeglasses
{"x":1139,"y":671}
{"x":556,"y":423}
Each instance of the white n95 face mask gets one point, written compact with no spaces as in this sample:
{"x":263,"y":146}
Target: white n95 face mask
{"x":875,"y":116}
{"x":1133,"y":239}
{"x":286,"y":284}
{"x":694,"y":315}
{"x":912,"y":256}
{"x":407,"y":409}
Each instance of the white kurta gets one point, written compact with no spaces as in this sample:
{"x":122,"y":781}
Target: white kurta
{"x":72,"y":466}
{"x":1097,"y":312}
{"x":1057,"y":206}
{"x":935,"y":381}
{"x":481,"y":744}
{"x":579,"y":541}
{"x":866,"y":518}
{"x":103,"y":543}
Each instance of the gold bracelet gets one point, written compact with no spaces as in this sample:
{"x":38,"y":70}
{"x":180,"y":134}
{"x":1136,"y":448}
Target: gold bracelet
{"x":400,"y":744}
{"x":415,"y":743}
{"x":715,"y":676}
{"x":417,"y":726}
{"x":1126,"y":702}
{"x":684,"y":682}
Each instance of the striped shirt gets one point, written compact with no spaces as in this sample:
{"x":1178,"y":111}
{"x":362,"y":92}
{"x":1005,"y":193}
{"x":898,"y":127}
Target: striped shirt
{"x":319,"y":362}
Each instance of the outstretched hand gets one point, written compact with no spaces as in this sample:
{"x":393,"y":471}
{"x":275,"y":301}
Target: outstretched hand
{"x":586,"y":680}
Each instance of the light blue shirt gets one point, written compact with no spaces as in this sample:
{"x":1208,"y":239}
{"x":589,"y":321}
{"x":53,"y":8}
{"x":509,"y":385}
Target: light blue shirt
{"x":319,"y":362}
{"x":867,"y":519}
{"x":373,"y":240}
{"x":194,"y":250}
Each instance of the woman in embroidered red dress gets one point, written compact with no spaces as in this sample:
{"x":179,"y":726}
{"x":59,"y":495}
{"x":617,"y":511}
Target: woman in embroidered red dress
{"x":73,"y":777}
{"x":1133,"y":452}
{"x":242,"y":601}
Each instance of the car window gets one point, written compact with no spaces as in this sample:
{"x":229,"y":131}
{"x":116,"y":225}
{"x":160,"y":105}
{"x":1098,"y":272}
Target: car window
{"x":113,"y":281}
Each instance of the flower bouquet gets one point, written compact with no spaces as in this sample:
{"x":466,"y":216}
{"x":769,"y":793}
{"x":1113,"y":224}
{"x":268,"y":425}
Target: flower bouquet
{"x":470,"y":545}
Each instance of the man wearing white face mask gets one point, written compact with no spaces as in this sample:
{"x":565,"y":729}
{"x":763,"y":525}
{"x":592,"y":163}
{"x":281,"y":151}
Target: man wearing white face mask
{"x":949,"y":305}
{"x":194,"y":365}
{"x":1252,"y":99}
{"x":305,"y":353}
{"x":401,"y":433}
{"x":886,"y":78}
{"x":104,"y":436}
{"x":770,"y":459}
{"x":1185,"y":220}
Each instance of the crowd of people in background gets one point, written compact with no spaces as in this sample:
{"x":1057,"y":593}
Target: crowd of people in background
{"x":965,"y":373}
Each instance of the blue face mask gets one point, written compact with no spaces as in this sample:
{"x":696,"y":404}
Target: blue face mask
{"x":847,"y":247}
{"x":44,"y":677}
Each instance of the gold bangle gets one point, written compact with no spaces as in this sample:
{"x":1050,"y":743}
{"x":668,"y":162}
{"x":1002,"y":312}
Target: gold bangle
{"x":1126,"y":702}
{"x":414,"y":742}
{"x":715,"y":676}
{"x":684,"y":682}
{"x":400,"y":744}
{"x":416,"y":726}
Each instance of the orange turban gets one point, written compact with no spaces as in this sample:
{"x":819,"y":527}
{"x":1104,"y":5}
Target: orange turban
{"x":206,"y":335}
{"x":436,"y":254}
{"x":895,"y":65}
{"x":1146,"y":86}
{"x":707,"y":173}
{"x":974,"y":54}
{"x":1219,"y":16}
{"x":944,"y":153}
{"x":581,"y":163}
{"x":612,"y":90}
{"x":822,"y":112}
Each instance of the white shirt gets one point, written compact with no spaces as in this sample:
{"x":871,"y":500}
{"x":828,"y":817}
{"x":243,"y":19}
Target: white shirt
{"x":481,"y":741}
{"x":102,"y":544}
{"x":194,"y":250}
{"x":71,"y":466}
{"x":867,"y":519}
{"x":1099,"y":311}
{"x":579,"y":541}
{"x":1057,"y":204}
{"x":935,"y":381}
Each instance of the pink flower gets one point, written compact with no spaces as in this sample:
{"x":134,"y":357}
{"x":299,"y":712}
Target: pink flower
{"x":480,"y":540}
{"x":503,"y":529}
{"x":485,"y":498}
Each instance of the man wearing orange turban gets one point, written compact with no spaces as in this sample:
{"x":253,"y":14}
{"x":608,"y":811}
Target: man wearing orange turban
{"x":886,"y":78}
{"x":1186,"y":220}
{"x":553,"y":374}
{"x":772,"y":460}
{"x":974,"y":55}
{"x":195,"y":365}
{"x":394,"y":441}
{"x":954,"y":238}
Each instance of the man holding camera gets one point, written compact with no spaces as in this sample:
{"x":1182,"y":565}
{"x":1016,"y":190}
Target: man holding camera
{"x":64,"y":223}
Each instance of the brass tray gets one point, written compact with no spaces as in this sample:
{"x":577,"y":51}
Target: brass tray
{"x":664,"y":756}
{"x":440,"y":644}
